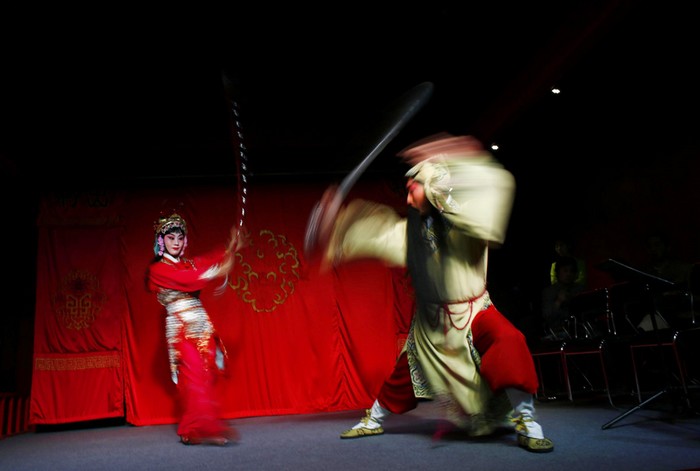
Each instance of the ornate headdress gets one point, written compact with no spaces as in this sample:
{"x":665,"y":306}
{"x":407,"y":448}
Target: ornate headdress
{"x":430,"y":159}
{"x":465,"y":182}
{"x":165,"y":225}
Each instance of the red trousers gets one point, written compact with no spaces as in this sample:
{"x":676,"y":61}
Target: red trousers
{"x":506,"y":362}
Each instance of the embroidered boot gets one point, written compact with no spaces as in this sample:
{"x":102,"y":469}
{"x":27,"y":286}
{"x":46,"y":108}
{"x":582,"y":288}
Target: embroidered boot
{"x":370,"y":424}
{"x":530,"y":435}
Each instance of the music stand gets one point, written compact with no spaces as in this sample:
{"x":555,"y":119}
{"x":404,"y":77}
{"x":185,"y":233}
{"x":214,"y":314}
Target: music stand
{"x":628,"y":273}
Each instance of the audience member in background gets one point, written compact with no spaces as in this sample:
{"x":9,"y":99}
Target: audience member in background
{"x":556,"y":313}
{"x":563,"y":247}
{"x":671,"y":301}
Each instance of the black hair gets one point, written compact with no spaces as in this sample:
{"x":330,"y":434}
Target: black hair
{"x":173,"y":230}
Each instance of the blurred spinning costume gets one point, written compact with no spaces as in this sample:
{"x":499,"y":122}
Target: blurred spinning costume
{"x":461,"y":351}
{"x":195,"y":351}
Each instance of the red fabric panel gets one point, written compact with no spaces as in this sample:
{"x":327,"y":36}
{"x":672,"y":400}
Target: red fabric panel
{"x":298,"y":341}
{"x":76,"y":387}
{"x":80,"y":307}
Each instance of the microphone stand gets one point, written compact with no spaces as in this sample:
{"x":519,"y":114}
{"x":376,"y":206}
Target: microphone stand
{"x":649,"y":281}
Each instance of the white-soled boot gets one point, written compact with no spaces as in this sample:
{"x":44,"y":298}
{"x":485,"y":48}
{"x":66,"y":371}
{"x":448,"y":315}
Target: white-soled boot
{"x":370,"y":424}
{"x":530,"y":435}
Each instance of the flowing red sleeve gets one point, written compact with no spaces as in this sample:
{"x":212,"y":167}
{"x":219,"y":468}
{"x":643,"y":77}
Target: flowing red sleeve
{"x":183,"y":276}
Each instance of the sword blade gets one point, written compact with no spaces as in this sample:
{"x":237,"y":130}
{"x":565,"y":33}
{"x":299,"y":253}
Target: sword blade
{"x":400,"y":113}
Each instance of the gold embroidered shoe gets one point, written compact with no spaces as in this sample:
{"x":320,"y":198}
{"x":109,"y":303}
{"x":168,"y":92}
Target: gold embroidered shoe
{"x":530,"y":435}
{"x":536,"y":445}
{"x":366,"y":427}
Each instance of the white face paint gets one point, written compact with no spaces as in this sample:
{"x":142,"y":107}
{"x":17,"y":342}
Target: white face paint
{"x":174,"y":243}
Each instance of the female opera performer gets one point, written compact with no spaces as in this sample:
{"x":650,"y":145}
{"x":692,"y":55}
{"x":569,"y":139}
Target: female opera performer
{"x":195,"y":351}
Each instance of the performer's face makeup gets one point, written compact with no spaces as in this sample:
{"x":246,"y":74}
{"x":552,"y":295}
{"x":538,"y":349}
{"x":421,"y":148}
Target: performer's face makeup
{"x":416,"y":196}
{"x":174,"y":243}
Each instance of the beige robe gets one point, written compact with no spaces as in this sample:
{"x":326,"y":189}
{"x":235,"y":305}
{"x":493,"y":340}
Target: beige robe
{"x":476,"y":197}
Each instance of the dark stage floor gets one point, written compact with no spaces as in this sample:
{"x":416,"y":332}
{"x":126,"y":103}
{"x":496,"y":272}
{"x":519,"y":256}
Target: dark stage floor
{"x":659,"y":436}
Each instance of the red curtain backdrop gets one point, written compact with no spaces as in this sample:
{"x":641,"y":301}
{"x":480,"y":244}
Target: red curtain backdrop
{"x":298,"y":341}
{"x":80,"y":308}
